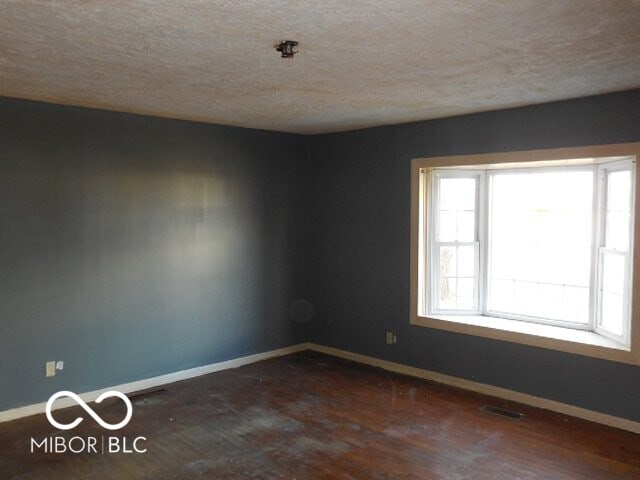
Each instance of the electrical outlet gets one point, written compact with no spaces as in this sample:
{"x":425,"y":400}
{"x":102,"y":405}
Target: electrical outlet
{"x":391,"y":338}
{"x":50,"y":369}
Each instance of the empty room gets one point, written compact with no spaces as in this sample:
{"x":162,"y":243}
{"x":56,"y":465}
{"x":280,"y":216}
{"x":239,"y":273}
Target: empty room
{"x":319,"y":240}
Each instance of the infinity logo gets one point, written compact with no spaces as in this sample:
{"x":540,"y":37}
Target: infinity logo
{"x":89,"y":410}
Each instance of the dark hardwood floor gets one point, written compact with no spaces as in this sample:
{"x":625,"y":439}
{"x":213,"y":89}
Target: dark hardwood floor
{"x":308,"y":416}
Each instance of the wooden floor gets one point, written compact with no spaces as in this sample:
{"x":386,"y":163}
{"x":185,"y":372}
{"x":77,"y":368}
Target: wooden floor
{"x":309,"y":416}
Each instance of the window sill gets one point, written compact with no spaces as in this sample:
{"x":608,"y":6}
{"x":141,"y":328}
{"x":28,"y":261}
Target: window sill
{"x":580,"y":342}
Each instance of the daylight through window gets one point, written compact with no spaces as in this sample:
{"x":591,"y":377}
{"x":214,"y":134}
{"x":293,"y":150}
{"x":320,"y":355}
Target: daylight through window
{"x":549,"y":245}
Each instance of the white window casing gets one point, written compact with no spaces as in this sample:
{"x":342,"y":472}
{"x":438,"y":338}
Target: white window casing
{"x":592,"y":311}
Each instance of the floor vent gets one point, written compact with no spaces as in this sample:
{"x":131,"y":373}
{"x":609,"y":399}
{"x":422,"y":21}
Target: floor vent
{"x":502,"y":412}
{"x":146,"y":393}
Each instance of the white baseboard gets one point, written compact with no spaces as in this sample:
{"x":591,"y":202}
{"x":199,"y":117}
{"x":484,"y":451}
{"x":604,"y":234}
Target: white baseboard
{"x":130,"y":387}
{"x":485,"y":389}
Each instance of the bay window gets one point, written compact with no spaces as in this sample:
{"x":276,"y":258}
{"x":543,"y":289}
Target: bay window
{"x":541,"y":247}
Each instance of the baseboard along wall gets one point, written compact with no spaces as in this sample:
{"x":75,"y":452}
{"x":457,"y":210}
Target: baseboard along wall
{"x":485,"y":389}
{"x":147,"y":383}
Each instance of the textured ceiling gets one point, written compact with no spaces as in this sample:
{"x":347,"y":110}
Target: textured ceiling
{"x":361,"y":63}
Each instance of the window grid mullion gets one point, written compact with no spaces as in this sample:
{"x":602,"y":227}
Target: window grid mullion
{"x":599,"y":194}
{"x":485,"y":207}
{"x":435,"y":283}
{"x":483,"y":238}
{"x":602,"y":250}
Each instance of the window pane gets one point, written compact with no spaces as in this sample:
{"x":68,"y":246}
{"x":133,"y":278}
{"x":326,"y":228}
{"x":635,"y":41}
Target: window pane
{"x":618,"y":210}
{"x":576,"y":269}
{"x":550,"y":302}
{"x":448,"y":262}
{"x":540,"y":238}
{"x":617,"y":230}
{"x":612,"y":293}
{"x":525,"y":297}
{"x":613,"y":273}
{"x":618,"y":191}
{"x":448,"y":293}
{"x":612,"y":313}
{"x":575,"y":304}
{"x":456,"y":209}
{"x":457,"y":193}
{"x":457,"y":277}
{"x":502,"y":292}
{"x":466,"y":261}
{"x":465,"y":298}
{"x":457,"y":293}
{"x":466,"y":223}
{"x":447,"y":230}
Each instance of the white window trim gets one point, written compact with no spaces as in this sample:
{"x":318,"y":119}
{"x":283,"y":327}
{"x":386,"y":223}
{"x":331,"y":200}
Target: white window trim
{"x":602,"y":172}
{"x":495,"y":313}
{"x":433,"y":235}
{"x":571,"y":340}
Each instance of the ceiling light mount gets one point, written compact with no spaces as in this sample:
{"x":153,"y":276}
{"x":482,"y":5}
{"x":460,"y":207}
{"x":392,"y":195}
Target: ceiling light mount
{"x":285,"y":47}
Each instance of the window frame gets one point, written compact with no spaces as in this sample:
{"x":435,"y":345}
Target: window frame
{"x":478,"y":175}
{"x":595,"y":343}
{"x":603,"y":172}
{"x":589,"y":325}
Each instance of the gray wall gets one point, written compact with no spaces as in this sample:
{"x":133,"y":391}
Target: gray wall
{"x":358,"y":248}
{"x":133,"y":246}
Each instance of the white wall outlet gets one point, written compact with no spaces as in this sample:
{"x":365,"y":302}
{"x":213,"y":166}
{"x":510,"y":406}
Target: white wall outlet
{"x":59,"y":365}
{"x":50,"y":369}
{"x":391,"y":338}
